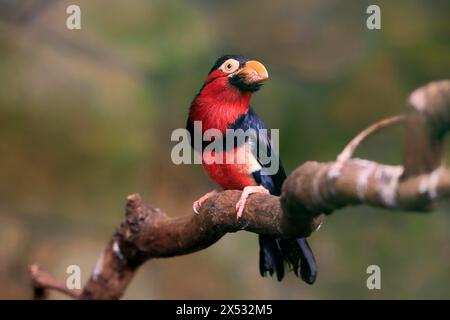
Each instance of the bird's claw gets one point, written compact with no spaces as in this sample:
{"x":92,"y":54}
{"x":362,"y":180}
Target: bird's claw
{"x":197,"y":204}
{"x":240,"y":205}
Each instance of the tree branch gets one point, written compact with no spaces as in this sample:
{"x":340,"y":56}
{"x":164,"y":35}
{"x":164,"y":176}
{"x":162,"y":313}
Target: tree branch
{"x":311,"y":191}
{"x":41,"y":281}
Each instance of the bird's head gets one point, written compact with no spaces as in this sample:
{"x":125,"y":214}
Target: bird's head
{"x":227,"y":91}
{"x":233,"y":71}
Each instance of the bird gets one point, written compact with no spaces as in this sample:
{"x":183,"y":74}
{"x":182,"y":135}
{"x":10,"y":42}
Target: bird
{"x":222,"y":103}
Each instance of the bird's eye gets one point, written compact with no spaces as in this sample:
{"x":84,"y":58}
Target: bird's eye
{"x":230,"y":66}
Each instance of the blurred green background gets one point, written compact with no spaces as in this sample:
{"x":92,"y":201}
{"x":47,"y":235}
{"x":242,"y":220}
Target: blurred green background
{"x":86,"y":117}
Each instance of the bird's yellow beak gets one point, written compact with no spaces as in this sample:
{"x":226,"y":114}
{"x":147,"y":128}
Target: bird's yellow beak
{"x":253,"y":72}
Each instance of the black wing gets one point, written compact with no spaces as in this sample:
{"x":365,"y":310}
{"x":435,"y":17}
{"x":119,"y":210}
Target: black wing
{"x":251,"y":120}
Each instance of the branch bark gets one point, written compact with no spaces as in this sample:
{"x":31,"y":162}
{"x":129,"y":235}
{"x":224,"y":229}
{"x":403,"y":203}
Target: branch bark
{"x":310,"y":192}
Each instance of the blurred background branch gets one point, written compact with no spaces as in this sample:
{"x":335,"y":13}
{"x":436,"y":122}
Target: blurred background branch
{"x":20,"y":15}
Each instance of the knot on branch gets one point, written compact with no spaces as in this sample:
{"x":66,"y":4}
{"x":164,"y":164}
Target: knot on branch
{"x":427,"y":122}
{"x":432,"y":101}
{"x":127,"y":245}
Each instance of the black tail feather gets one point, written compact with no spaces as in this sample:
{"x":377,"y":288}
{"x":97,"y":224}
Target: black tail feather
{"x":295,"y":252}
{"x":308,"y":266}
{"x":270,"y":257}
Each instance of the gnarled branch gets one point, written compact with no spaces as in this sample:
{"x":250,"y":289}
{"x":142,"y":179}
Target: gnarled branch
{"x":311,"y":191}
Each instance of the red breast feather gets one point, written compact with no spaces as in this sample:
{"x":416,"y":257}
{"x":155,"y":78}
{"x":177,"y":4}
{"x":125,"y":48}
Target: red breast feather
{"x":218,"y":105}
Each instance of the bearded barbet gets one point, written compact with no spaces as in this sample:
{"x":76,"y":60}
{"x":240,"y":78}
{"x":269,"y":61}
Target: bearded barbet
{"x":224,"y":103}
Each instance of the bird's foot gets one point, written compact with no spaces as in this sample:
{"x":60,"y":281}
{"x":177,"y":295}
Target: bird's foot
{"x":240,"y":205}
{"x":196,"y":205}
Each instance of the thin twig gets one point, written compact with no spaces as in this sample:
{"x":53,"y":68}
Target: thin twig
{"x":42,"y":280}
{"x":348,"y":151}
